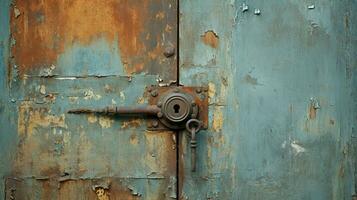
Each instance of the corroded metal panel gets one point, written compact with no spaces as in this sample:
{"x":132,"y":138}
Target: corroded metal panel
{"x":282,"y":88}
{"x":62,"y":55}
{"x":94,"y":37}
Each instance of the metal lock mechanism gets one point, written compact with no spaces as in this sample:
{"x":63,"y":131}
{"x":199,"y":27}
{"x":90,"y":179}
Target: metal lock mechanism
{"x":177,"y":106}
{"x":176,"y":109}
{"x":169,"y":107}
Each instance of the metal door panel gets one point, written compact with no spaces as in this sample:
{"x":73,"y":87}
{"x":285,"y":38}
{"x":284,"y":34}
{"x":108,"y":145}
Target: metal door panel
{"x":60,"y":55}
{"x":282,"y":84}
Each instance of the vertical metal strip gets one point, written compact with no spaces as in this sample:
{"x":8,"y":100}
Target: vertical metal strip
{"x":178,"y":84}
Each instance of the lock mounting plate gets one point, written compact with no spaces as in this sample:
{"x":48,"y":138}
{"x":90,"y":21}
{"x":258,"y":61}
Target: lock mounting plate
{"x":178,"y":105}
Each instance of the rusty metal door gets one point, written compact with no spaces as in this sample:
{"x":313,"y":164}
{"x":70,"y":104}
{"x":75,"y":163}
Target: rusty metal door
{"x":59,"y":55}
{"x":281,"y":79}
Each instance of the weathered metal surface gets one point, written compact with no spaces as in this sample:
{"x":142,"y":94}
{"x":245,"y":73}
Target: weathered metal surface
{"x":94,"y":37}
{"x":62,"y":55}
{"x":282,"y":94}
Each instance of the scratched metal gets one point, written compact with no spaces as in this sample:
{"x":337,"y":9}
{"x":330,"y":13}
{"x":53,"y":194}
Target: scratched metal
{"x":282,"y":84}
{"x":61,"y":55}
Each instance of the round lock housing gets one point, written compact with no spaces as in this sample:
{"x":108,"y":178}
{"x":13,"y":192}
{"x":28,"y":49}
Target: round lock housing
{"x":177,"y":107}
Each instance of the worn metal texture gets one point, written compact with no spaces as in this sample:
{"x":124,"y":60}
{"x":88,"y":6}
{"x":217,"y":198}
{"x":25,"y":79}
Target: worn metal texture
{"x":94,"y":37}
{"x":282,"y":91}
{"x":62,"y":55}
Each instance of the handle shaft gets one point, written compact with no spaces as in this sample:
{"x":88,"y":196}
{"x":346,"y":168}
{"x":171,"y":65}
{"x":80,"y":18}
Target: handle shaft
{"x":137,"y":110}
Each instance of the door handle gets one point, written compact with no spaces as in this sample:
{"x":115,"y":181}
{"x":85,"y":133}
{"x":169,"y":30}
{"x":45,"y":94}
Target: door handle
{"x":140,"y":110}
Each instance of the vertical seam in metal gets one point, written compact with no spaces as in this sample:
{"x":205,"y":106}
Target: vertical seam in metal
{"x":178,"y":84}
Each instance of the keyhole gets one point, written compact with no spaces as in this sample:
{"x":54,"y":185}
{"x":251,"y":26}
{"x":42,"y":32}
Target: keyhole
{"x":177,"y":108}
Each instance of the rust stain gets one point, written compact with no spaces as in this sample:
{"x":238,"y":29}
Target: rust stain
{"x":45,"y":29}
{"x":312,"y":112}
{"x":210,"y":38}
{"x":131,"y":123}
{"x":37,"y":129}
{"x":134,"y":139}
{"x":30,"y":118}
{"x":83,"y":189}
{"x":102,"y":194}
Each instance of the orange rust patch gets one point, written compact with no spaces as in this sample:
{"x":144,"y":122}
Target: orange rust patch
{"x":312,"y":112}
{"x":46,"y":28}
{"x":210,"y":38}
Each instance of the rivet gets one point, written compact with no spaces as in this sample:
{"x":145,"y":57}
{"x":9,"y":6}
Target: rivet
{"x":159,"y":114}
{"x":169,"y":51}
{"x":159,"y":104}
{"x":154,"y":93}
{"x":155,"y":124}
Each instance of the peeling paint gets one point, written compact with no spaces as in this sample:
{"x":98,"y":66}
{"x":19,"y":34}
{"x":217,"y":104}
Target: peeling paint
{"x":101,"y":194}
{"x":92,"y":118}
{"x":42,"y":89}
{"x":210,"y":38}
{"x":211,"y":92}
{"x":217,"y":122}
{"x":298,"y":149}
{"x":105,"y":122}
{"x":89,"y":94}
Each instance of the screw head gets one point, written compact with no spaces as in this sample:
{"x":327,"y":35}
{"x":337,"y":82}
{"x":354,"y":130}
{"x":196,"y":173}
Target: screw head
{"x":160,"y":115}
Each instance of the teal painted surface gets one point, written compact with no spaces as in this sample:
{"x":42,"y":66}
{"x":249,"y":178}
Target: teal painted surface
{"x":268,"y":77}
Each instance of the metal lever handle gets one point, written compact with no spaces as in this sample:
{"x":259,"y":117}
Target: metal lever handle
{"x":193,"y":126}
{"x":139,"y":110}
